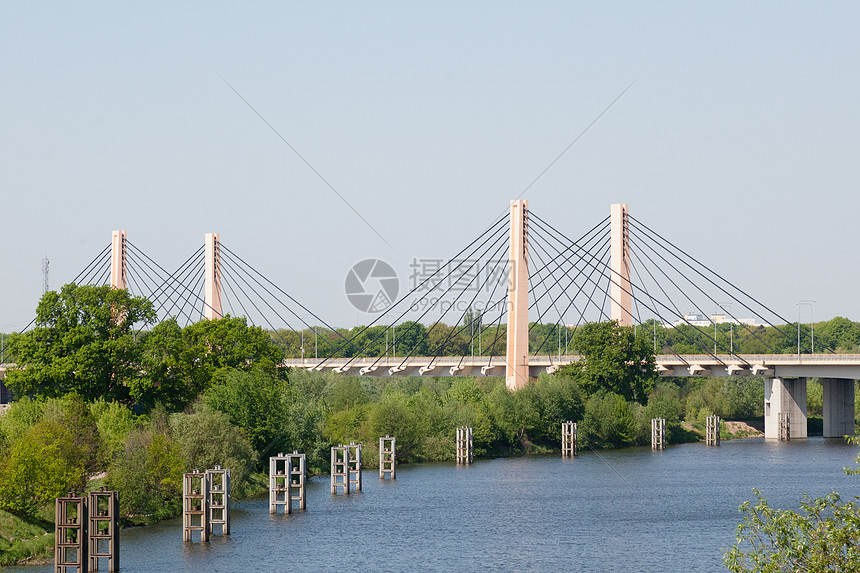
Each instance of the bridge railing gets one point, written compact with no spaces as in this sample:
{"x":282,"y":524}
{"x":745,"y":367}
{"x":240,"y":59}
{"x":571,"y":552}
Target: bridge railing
{"x":544,"y":360}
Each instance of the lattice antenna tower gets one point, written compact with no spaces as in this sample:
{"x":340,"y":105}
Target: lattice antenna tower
{"x":45,"y":264}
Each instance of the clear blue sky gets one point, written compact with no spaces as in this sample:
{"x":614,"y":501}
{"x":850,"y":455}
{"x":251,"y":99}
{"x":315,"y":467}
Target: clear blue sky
{"x":738,"y":140}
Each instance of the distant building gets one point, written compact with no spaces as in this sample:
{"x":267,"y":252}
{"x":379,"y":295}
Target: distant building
{"x":694,"y":320}
{"x":702,"y":320}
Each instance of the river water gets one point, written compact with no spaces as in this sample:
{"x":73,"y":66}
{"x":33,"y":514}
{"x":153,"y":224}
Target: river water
{"x":624,"y":510}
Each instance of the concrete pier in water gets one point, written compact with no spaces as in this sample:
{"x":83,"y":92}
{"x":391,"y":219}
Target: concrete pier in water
{"x":658,"y":434}
{"x":387,"y":457}
{"x":568,"y":440}
{"x":465,"y":450}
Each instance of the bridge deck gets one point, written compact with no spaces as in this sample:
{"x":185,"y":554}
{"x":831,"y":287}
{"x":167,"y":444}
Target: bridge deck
{"x":775,"y":365}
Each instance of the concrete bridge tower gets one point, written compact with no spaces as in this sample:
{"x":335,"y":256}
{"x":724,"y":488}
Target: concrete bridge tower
{"x":517,"y":357}
{"x":118,"y":260}
{"x":212,"y":289}
{"x":620,"y":291}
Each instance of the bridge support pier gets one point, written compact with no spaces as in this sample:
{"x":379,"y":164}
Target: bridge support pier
{"x":838,"y":407}
{"x":785,"y":396}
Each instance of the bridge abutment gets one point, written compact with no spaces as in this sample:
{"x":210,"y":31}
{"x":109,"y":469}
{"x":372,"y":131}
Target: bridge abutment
{"x":785,"y":395}
{"x":838,"y":407}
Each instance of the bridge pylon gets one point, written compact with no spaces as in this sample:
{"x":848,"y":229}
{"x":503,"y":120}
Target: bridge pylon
{"x":118,"y":260}
{"x":620,"y":292}
{"x":517,"y":358}
{"x":212,"y":289}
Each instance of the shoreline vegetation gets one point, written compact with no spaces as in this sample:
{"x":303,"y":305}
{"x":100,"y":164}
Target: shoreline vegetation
{"x":31,"y":541}
{"x":100,"y":395}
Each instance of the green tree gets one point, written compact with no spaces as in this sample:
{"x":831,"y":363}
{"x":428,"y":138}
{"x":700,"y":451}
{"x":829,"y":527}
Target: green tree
{"x":613,"y":360}
{"x":411,"y":339}
{"x":83,"y":342}
{"x":254,"y":401}
{"x":38,"y":468}
{"x":179,"y":363}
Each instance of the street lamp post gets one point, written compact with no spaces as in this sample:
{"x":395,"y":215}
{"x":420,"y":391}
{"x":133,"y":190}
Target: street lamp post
{"x":723,"y":306}
{"x":810,"y":303}
{"x":714,"y":320}
{"x":472,"y":335}
{"x":558,"y":330}
{"x":812,"y":326}
{"x":655,"y":335}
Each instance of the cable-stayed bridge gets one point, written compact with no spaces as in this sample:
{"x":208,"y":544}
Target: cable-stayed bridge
{"x":511,"y":294}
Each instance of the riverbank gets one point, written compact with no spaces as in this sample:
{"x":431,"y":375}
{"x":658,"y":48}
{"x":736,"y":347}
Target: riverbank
{"x":25,"y":542}
{"x":31,"y":542}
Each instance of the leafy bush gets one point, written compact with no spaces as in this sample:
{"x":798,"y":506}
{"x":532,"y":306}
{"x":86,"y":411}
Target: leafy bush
{"x":86,"y":449}
{"x":114,"y":422}
{"x":609,"y":421}
{"x":147,"y":473}
{"x":19,"y":417}
{"x":392,"y":417}
{"x":206,"y":439}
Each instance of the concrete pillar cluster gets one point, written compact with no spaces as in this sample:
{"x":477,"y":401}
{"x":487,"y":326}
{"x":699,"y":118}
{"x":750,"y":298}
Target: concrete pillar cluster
{"x":658,"y":434}
{"x":86,"y":530}
{"x":103,"y":507}
{"x":340,"y":469}
{"x":568,"y":440}
{"x":195,"y":502}
{"x":287,"y":475}
{"x":218,"y":479}
{"x":70,"y":543}
{"x":712,"y":430}
{"x":205,"y":495}
{"x":279,"y":483}
{"x":354,"y":466}
{"x":387,"y":457}
{"x":297,"y":467}
{"x":465,"y":446}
